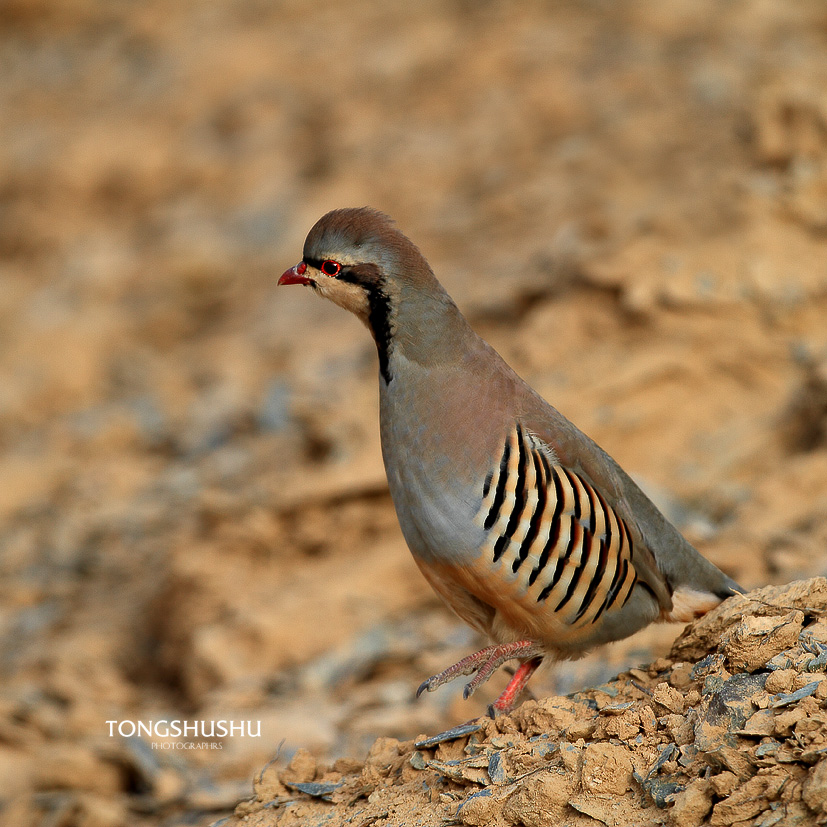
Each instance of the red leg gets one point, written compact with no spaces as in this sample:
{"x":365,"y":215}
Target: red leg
{"x":516,"y":685}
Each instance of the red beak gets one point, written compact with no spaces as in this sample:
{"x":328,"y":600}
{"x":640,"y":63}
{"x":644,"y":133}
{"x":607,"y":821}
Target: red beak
{"x":295,"y":275}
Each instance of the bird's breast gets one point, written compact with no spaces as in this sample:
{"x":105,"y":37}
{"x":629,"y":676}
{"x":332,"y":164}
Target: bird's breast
{"x":434,"y":473}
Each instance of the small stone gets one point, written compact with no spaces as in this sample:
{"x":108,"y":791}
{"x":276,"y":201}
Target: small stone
{"x":811,"y":730}
{"x":661,"y":789}
{"x":780,"y":681}
{"x":766,"y":748}
{"x":347,"y":766}
{"x":648,"y":721}
{"x":724,"y":783}
{"x":600,"y":809}
{"x":616,"y":709}
{"x":449,"y":735}
{"x":382,"y":759}
{"x":815,"y":788}
{"x":383,"y":753}
{"x":731,"y":759}
{"x":607,"y":769}
{"x":496,"y":769}
{"x":735,"y":701}
{"x":543,"y":746}
{"x":707,"y":736}
{"x":666,"y":755}
{"x":816,"y":657}
{"x":742,"y":804}
{"x":301,"y":769}
{"x":790,"y":698}
{"x":450,"y":750}
{"x":267,"y":785}
{"x":688,"y":755}
{"x":679,"y":728}
{"x":504,"y":740}
{"x":581,"y":728}
{"x":316,"y":789}
{"x":706,"y":666}
{"x":762,"y":701}
{"x":623,"y":727}
{"x":785,"y":721}
{"x":713,"y":683}
{"x":818,"y":630}
{"x":755,"y":640}
{"x":570,"y":756}
{"x":782,"y":661}
{"x":681,"y":675}
{"x":539,"y":800}
{"x":759,"y":724}
{"x":792,"y":792}
{"x":803,"y":680}
{"x":659,"y":665}
{"x":479,"y":808}
{"x":551,"y":717}
{"x":669,"y":697}
{"x":471,"y":770}
{"x":693,"y":804}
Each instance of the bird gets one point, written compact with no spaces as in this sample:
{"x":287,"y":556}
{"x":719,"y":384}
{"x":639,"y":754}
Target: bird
{"x":525,"y":528}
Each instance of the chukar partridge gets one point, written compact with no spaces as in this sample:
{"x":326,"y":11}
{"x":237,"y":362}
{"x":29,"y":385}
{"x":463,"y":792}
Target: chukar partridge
{"x":526,"y":528}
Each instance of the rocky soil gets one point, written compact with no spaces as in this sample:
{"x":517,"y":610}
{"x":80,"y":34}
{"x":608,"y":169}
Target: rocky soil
{"x":629,"y":200}
{"x":732,"y":733}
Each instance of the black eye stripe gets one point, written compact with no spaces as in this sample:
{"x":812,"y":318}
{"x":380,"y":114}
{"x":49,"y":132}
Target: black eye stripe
{"x":344,"y":273}
{"x":365,"y":275}
{"x":326,"y":265}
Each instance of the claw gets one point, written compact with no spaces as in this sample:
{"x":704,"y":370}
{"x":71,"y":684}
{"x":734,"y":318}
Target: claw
{"x":425,"y":686}
{"x":484,"y":663}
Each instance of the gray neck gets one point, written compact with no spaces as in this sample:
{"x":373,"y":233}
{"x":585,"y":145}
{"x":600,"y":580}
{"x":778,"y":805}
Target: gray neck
{"x":426,"y":327}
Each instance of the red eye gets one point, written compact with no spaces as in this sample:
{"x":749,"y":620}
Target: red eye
{"x":331,"y":268}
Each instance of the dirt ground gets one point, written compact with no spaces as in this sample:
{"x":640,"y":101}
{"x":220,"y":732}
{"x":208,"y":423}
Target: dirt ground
{"x":715,"y":734}
{"x":629,"y":200}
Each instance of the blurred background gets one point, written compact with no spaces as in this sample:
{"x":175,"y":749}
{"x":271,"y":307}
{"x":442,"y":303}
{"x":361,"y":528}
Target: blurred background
{"x":629,"y":200}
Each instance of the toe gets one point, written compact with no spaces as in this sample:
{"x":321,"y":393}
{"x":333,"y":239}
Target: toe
{"x":425,"y":686}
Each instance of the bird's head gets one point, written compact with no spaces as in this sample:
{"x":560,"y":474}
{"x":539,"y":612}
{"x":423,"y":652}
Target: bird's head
{"x":358,"y":259}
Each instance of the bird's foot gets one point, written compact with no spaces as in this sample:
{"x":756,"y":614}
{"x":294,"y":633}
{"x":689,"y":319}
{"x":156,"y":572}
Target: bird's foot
{"x":484,"y":663}
{"x":467,"y":666}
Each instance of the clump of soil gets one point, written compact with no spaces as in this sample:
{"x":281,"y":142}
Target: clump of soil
{"x":731,"y":728}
